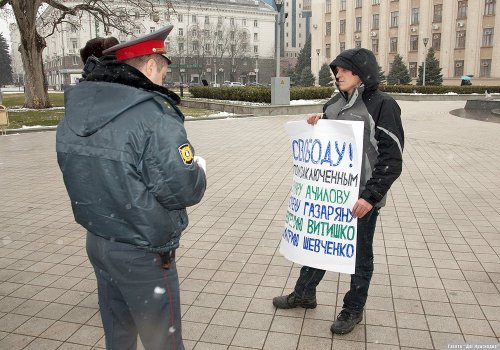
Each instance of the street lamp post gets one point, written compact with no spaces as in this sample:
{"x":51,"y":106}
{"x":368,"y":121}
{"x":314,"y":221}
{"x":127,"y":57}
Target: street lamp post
{"x":279,"y":5}
{"x":425,"y":40}
{"x":318,"y":51}
{"x":280,"y":86}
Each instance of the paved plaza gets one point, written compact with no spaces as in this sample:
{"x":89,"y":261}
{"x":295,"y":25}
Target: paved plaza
{"x":437,"y":245}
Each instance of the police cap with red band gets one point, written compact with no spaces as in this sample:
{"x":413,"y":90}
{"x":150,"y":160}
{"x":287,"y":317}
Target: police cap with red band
{"x":153,"y":43}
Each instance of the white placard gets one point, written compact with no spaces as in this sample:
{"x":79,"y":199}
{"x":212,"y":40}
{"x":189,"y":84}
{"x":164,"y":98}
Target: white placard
{"x":320,"y":230}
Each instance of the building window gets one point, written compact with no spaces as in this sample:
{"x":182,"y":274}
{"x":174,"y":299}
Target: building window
{"x":460,"y":40}
{"x":328,"y":6}
{"x":358,"y":24}
{"x":488,"y":36}
{"x":343,"y":5}
{"x":231,"y":35}
{"x":207,"y":47}
{"x":436,"y":41}
{"x":195,"y":46}
{"x":244,"y":22}
{"x":181,"y":47}
{"x":438,"y":13}
{"x":328,"y":51}
{"x":375,"y":21}
{"x":194,"y":18}
{"x":357,"y":44}
{"x":413,"y":42}
{"x":255,"y":49}
{"x":485,"y":70}
{"x":414,"y":16}
{"x":219,"y":20}
{"x":413,"y":69}
{"x":342,"y":26}
{"x":207,"y":20}
{"x":375,"y":46}
{"x":375,"y":2}
{"x":152,"y":29}
{"x":459,"y":68}
{"x":181,"y":32}
{"x":75,"y":60}
{"x":489,"y":8}
{"x":255,"y":23}
{"x":255,"y":36}
{"x":231,"y":21}
{"x":394,"y":45}
{"x":328,"y":29}
{"x":179,"y":17}
{"x":358,"y":3}
{"x":394,"y":18}
{"x":342,"y":46}
{"x":462,"y":9}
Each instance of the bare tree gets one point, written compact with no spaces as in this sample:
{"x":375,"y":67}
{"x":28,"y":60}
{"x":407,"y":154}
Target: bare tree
{"x":31,"y":24}
{"x":238,"y":46}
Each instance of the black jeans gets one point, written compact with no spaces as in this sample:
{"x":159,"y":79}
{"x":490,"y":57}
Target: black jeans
{"x":136,"y":296}
{"x":355,"y":299}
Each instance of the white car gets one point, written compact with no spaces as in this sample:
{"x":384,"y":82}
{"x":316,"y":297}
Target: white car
{"x":235,"y":83}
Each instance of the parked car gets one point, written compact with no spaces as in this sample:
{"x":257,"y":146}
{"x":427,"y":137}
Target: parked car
{"x":235,"y":84}
{"x":254,"y":84}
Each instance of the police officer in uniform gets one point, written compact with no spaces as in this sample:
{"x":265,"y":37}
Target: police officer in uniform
{"x":130,"y":173}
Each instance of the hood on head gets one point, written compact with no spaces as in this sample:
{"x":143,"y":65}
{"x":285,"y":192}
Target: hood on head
{"x":361,"y":62}
{"x":90,"y":106}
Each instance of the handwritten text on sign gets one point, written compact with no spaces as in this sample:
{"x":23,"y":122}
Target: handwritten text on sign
{"x":320,"y":230}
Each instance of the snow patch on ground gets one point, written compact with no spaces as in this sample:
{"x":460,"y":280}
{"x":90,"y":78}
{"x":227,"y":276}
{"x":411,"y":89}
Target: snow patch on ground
{"x":22,"y":109}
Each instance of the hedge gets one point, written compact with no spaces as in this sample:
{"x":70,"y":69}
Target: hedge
{"x":263,"y":93}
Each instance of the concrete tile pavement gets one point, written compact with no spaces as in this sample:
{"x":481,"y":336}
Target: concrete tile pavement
{"x":437,"y":245}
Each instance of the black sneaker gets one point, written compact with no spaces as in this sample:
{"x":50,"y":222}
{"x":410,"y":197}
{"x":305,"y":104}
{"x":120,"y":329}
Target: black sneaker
{"x":291,"y":301}
{"x":346,"y":321}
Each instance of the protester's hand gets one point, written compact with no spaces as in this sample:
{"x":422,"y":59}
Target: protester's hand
{"x":361,"y":208}
{"x":202,"y":163}
{"x":313,"y":118}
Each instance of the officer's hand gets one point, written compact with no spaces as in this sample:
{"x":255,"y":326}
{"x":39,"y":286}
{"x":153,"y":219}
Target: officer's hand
{"x":361,"y":208}
{"x":202,"y":163}
{"x":313,"y":118}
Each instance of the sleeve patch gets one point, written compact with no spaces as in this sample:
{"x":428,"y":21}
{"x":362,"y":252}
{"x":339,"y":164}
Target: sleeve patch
{"x":186,"y":153}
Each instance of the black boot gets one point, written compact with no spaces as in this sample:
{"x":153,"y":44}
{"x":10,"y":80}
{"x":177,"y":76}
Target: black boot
{"x":346,"y":321}
{"x":291,"y":301}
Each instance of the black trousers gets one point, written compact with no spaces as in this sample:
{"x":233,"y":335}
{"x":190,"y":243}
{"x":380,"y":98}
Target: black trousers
{"x":355,"y":299}
{"x":136,"y":296}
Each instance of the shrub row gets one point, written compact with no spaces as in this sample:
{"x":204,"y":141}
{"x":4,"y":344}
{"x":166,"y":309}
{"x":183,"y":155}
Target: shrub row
{"x":263,"y":93}
{"x":259,"y":93}
{"x":439,"y":89}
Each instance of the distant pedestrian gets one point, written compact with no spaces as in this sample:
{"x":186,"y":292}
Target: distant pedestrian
{"x":130,"y":173}
{"x":356,"y":73}
{"x":95,"y":47}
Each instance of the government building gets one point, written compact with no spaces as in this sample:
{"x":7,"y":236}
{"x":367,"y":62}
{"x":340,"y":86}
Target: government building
{"x":462,"y":33}
{"x":212,"y":40}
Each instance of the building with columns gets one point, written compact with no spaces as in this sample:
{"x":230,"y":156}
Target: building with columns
{"x":216,"y":40}
{"x":461,"y":33}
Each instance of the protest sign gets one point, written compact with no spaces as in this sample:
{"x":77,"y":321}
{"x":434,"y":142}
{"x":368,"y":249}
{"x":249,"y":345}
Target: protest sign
{"x":320,"y":230}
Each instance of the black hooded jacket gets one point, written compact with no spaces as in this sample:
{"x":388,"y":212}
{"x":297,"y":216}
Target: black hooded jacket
{"x":383,"y":140}
{"x":126,"y":161}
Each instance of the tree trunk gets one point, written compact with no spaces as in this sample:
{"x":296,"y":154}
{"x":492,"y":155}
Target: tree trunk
{"x":31,"y":48}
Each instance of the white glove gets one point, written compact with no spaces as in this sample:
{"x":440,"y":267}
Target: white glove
{"x":202,"y":163}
